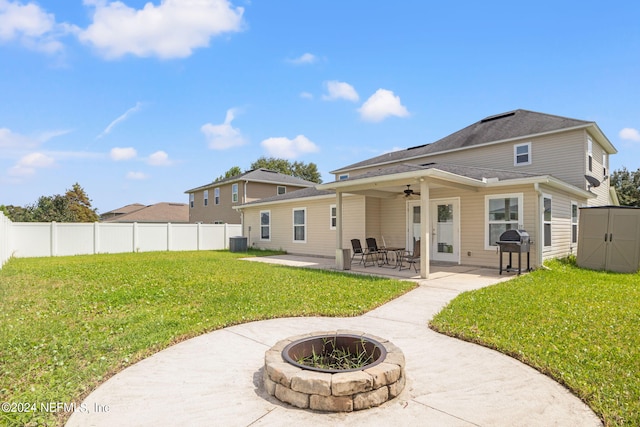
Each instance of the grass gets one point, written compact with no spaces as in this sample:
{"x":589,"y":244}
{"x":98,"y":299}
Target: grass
{"x":580,"y":327}
{"x":69,"y":323}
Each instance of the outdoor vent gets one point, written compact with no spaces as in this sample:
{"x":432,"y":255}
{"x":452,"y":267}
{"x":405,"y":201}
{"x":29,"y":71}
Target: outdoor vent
{"x":499,"y":116}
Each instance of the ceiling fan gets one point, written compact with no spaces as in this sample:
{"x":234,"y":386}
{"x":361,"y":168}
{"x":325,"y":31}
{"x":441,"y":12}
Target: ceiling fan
{"x":409,"y":192}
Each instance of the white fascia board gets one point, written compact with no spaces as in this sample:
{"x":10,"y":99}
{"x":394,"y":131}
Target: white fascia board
{"x":545,"y":180}
{"x":279,"y":202}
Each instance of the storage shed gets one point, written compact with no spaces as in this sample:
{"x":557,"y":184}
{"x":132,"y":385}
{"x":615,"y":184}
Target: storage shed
{"x":609,"y":239}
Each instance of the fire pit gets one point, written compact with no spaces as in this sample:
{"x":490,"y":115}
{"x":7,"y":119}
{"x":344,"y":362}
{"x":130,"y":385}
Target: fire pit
{"x":337,"y":371}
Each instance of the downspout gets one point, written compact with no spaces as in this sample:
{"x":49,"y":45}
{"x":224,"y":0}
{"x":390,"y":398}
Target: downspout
{"x":538,"y":224}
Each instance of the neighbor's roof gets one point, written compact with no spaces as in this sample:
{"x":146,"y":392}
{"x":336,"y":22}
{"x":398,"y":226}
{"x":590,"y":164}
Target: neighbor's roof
{"x":490,"y":130}
{"x":258,"y":175}
{"x":125,"y":209}
{"x":159,"y":212}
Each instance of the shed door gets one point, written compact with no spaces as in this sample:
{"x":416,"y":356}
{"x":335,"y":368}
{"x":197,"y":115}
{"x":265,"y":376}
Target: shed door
{"x":624,"y":229}
{"x":592,"y":247}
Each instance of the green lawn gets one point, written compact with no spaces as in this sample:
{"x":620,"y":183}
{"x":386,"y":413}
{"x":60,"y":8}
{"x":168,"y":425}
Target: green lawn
{"x":69,"y":323}
{"x":580,"y":327}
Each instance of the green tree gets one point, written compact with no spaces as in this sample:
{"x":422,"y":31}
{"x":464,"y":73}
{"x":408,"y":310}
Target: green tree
{"x":234,"y":171}
{"x":80,"y":205}
{"x":298,"y":169}
{"x":51,"y":208}
{"x":16,"y":213}
{"x":74,"y":206}
{"x":627,"y":185}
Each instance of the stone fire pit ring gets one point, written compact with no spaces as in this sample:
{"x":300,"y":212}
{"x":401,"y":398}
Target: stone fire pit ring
{"x":335,"y":391}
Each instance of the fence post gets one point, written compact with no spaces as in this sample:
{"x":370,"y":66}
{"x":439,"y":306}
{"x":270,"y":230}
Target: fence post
{"x":169,"y":236}
{"x":54,"y":239}
{"x":135,"y":237}
{"x":198,"y":236}
{"x":96,"y":237}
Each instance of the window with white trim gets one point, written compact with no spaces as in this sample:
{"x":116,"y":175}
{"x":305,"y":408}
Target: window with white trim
{"x":300,"y":225}
{"x":216,"y":196}
{"x":605,"y":161}
{"x":546,"y":220}
{"x":589,"y":154}
{"x":333,"y":217}
{"x":281,"y":189}
{"x":191,"y":199}
{"x":502,"y":212}
{"x":343,"y":177}
{"x":205,"y":199}
{"x":265,"y":225}
{"x":234,"y":193}
{"x":574,"y":222}
{"x":522,"y":154}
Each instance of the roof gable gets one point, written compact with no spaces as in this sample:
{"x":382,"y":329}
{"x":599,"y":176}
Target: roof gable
{"x":258,"y":175}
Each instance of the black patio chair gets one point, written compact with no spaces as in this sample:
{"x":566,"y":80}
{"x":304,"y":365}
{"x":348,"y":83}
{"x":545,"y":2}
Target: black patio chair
{"x":411,"y":257}
{"x":358,"y":251}
{"x":379,"y":252}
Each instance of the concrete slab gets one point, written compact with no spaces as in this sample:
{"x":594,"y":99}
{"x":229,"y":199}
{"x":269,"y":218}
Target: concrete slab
{"x":216,"y":379}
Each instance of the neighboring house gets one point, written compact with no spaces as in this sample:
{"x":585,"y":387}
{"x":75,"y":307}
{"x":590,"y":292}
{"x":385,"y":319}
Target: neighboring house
{"x":516,"y":170}
{"x":156,"y":213}
{"x":215,"y":202}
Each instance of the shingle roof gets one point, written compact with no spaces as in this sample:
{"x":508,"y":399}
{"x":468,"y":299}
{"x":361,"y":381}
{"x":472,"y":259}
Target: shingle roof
{"x":291,"y":195}
{"x":259,"y":175}
{"x":500,"y":127}
{"x":125,"y":209}
{"x":159,"y":212}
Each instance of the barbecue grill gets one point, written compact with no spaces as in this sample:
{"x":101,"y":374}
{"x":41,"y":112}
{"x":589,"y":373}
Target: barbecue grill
{"x":514,"y":241}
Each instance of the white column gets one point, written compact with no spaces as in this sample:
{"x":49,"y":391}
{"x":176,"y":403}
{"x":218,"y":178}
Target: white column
{"x":425,"y":222}
{"x":340,"y":261}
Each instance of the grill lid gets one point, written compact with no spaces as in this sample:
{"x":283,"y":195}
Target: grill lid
{"x":514,"y":236}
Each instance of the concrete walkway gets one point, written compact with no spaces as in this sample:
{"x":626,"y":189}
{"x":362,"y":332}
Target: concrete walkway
{"x":216,"y":379}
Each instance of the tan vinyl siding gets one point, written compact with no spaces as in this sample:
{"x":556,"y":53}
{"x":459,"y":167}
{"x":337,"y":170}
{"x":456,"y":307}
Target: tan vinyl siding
{"x":602,"y":191}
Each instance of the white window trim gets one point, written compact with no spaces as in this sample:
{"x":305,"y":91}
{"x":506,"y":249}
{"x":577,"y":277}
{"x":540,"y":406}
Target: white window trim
{"x":284,"y":189}
{"x":294,"y":225}
{"x":515,"y":154}
{"x":192,"y":198}
{"x":574,"y":203}
{"x":520,"y":196}
{"x":546,"y":247}
{"x":216,"y":196}
{"x":332,"y":216}
{"x":589,"y":154}
{"x":234,"y":192}
{"x":343,"y":176}
{"x":605,"y":165}
{"x":205,"y":198}
{"x":268,"y":226}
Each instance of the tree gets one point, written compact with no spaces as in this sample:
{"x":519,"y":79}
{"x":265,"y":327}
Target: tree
{"x":16,"y":213}
{"x":627,"y":185}
{"x":297,"y":169}
{"x":234,"y":171}
{"x":80,"y":205}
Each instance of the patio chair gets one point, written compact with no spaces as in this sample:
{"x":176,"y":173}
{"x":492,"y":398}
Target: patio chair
{"x":358,"y":251}
{"x":379,"y":252}
{"x":411,"y":257}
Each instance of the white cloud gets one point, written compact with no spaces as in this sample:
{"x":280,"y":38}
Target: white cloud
{"x":28,"y":164}
{"x":289,"y":148}
{"x":159,"y":158}
{"x":223,"y":136}
{"x":137,"y":176}
{"x":630,"y":134}
{"x":381,"y":105}
{"x":172,"y":29}
{"x":31,"y":26}
{"x":306,"y":58}
{"x":9,"y":139}
{"x":119,"y":154}
{"x":340,"y":90}
{"x":306,"y":95}
{"x":119,"y":119}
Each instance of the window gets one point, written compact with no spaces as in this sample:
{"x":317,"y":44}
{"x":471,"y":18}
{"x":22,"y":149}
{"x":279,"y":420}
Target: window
{"x":191,"y":199}
{"x":234,"y":193}
{"x":206,"y":197}
{"x":590,"y":154}
{"x":522,"y":154}
{"x":333,"y":217}
{"x":299,"y":225}
{"x":265,"y":225}
{"x":343,"y":177}
{"x":604,"y":164}
{"x":281,"y":189}
{"x":546,"y":220}
{"x":503,"y":212}
{"x":574,"y":222}
{"x":216,"y":196}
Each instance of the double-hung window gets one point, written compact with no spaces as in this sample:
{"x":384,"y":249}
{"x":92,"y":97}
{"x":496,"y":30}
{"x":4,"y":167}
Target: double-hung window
{"x":265,"y":225}
{"x":333,"y":217}
{"x":206,"y":197}
{"x":546,"y":220}
{"x":234,"y":193}
{"x":522,"y":154}
{"x":590,"y":154}
{"x":574,"y":222}
{"x":216,"y":196}
{"x":281,"y":189}
{"x":300,"y":225}
{"x":502,"y":212}
{"x":191,"y":199}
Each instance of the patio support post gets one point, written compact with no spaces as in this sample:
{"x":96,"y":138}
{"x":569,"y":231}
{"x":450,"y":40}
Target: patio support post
{"x":340,"y":258}
{"x":425,"y":223}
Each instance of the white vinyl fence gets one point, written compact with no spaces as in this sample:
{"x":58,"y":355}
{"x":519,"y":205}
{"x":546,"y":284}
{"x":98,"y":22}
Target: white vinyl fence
{"x":37,"y":239}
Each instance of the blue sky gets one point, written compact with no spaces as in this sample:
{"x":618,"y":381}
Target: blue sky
{"x":139,"y":101}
